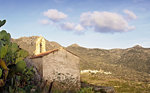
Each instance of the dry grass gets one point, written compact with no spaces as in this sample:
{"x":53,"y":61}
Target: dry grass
{"x":120,"y":85}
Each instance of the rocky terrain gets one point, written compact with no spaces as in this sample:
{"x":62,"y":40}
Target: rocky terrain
{"x":135,"y":58}
{"x":129,"y":68}
{"x":28,"y":43}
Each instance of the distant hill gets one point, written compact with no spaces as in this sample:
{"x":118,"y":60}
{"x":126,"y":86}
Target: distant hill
{"x":129,"y":68}
{"x":137,"y":58}
{"x":28,"y":43}
{"x":131,"y":63}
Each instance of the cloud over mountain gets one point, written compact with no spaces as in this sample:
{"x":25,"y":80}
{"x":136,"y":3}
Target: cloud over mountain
{"x":55,"y":15}
{"x":130,"y":14}
{"x":45,"y":22}
{"x":105,"y":22}
{"x":79,"y":27}
{"x":67,"y":26}
{"x":72,"y":27}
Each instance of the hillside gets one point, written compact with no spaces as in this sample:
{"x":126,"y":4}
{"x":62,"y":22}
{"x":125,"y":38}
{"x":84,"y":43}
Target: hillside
{"x":129,"y":68}
{"x":137,"y":58}
{"x":131,"y":59}
{"x":28,"y":43}
{"x":132,"y":63}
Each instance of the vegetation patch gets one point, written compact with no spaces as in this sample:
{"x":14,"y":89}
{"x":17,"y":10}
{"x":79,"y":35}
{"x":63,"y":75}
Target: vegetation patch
{"x":15,"y":76}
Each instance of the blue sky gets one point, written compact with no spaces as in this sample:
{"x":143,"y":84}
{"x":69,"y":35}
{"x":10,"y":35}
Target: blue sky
{"x":89,"y":23}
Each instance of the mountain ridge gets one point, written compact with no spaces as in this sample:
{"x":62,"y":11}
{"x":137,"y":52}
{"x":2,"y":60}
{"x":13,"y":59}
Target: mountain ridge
{"x":28,"y":43}
{"x":134,"y":62}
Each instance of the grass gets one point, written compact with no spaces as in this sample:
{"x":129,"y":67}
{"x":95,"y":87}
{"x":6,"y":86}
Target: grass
{"x":120,"y":85}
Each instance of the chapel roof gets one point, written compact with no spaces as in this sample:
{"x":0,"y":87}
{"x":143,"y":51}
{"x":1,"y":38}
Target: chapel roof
{"x":50,"y":51}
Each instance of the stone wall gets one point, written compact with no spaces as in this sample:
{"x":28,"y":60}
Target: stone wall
{"x":62,"y":66}
{"x":38,"y":67}
{"x":38,"y":63}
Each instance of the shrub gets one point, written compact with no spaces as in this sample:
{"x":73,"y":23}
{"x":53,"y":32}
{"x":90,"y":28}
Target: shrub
{"x":15,"y":76}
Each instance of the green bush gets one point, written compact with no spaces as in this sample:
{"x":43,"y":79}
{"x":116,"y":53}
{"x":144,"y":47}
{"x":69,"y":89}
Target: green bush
{"x":15,"y":76}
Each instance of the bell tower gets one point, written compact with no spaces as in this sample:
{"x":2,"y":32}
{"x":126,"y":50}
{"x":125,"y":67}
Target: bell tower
{"x":40,"y":46}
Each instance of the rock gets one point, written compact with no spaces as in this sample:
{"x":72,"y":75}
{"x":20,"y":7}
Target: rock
{"x":104,"y":89}
{"x":101,"y":89}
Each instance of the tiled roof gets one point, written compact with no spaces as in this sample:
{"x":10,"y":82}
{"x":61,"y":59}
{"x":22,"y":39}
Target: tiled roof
{"x":50,"y":51}
{"x":44,"y":53}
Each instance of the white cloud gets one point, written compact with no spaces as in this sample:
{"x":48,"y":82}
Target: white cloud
{"x":44,"y":21}
{"x":55,"y":15}
{"x":106,"y":22}
{"x":79,"y":27}
{"x":67,"y":26}
{"x":86,"y":19}
{"x":130,"y":14}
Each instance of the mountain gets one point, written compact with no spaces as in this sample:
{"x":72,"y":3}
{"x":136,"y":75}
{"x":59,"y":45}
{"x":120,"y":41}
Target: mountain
{"x":129,"y":69}
{"x":74,"y":45}
{"x":28,"y":43}
{"x":137,"y":58}
{"x":131,"y":63}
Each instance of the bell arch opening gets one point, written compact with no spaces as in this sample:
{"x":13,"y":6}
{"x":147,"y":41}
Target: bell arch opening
{"x":40,"y":46}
